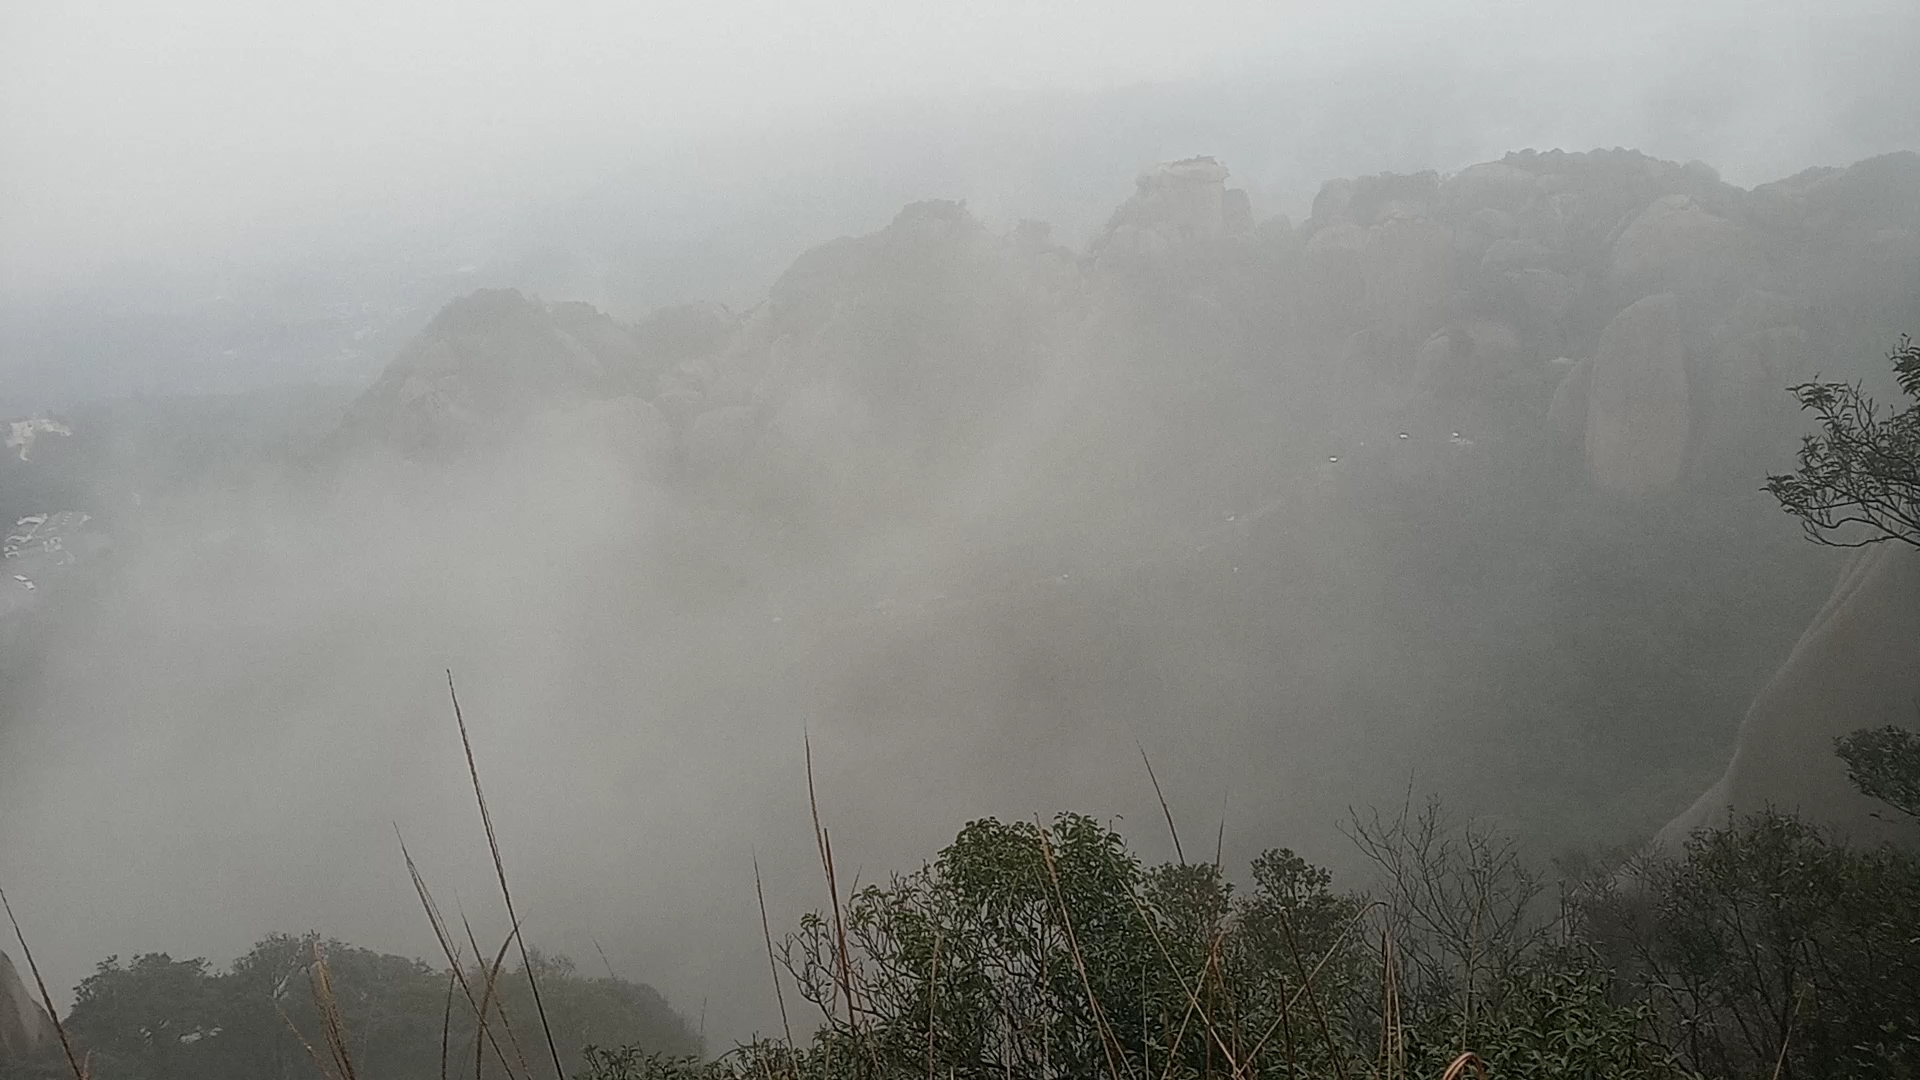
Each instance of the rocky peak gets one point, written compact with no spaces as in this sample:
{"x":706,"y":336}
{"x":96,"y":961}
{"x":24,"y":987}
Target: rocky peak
{"x":1173,"y":203}
{"x":486,"y":362}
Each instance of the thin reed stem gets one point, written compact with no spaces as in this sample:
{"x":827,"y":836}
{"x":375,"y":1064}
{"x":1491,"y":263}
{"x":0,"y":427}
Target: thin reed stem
{"x":500,"y":870}
{"x":46,"y":999}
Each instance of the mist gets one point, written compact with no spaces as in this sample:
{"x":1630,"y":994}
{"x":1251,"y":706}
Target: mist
{"x":979,"y":513}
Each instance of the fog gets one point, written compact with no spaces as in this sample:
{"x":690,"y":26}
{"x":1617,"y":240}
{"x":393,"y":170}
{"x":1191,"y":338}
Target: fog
{"x":1094,"y":518}
{"x":224,"y":128}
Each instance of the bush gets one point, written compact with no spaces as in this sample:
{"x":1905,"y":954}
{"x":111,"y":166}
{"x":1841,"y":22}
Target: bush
{"x":1053,"y":952}
{"x":1769,"y":945}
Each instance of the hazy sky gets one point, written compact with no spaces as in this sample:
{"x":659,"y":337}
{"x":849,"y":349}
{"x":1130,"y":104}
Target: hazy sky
{"x":139,"y":129}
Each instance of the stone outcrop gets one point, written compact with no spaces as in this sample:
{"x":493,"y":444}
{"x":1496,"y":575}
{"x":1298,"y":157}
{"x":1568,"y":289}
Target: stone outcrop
{"x":1469,"y":286}
{"x":25,"y":1027}
{"x":1759,"y":349}
{"x":1182,"y":200}
{"x":1638,"y":419}
{"x":1676,"y":244}
{"x":1551,"y":244}
{"x":1467,"y":357}
{"x":1856,"y":666}
{"x":486,"y":363}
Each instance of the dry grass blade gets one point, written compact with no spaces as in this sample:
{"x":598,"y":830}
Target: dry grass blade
{"x":1288,"y":1002}
{"x":773,"y":966}
{"x":1313,"y":999}
{"x":446,"y":1027}
{"x":1779,"y":1063}
{"x":454,"y":964}
{"x":500,"y":871}
{"x":1108,"y":1041}
{"x":843,"y":973}
{"x":840,"y":933}
{"x":486,"y":999}
{"x":46,"y":999}
{"x":499,"y":1005}
{"x":318,"y":1061}
{"x":1164,"y":809}
{"x":1179,"y":1037}
{"x":604,"y":962}
{"x":1393,"y":1042}
{"x":333,"y":1028}
{"x":1194,"y":1007}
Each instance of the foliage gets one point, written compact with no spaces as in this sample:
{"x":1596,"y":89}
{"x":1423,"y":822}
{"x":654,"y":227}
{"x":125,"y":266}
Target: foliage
{"x":1039,"y":952}
{"x":1563,"y":1016}
{"x":157,"y":1018}
{"x":1050,"y":951}
{"x":1884,"y":763}
{"x":147,"y":1018}
{"x":1768,"y":945}
{"x":1859,"y":479}
{"x":632,"y":1063}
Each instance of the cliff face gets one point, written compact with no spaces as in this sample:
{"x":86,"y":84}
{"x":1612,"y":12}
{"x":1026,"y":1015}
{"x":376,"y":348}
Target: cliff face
{"x":1558,"y":377}
{"x":25,"y":1028}
{"x":1637,"y":407}
{"x":1857,"y":666}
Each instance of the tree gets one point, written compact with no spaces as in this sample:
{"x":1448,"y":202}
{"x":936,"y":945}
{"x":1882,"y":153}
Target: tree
{"x":154,"y":1018}
{"x":1046,"y":951}
{"x":1859,"y":479}
{"x":1770,"y":949}
{"x":158,"y":1018}
{"x":1884,"y":763}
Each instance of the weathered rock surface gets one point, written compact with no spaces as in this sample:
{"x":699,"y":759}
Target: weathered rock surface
{"x":485,"y":364}
{"x":1176,"y":202}
{"x":25,"y":1028}
{"x":1468,"y":356}
{"x":1856,"y":666}
{"x":1638,"y":420}
{"x":1676,"y":243}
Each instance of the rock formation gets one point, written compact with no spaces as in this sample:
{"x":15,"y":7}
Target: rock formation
{"x":1637,"y":408}
{"x":1468,"y":357}
{"x":1676,"y":244}
{"x":25,"y":1027}
{"x":1857,"y":666}
{"x":484,"y":365}
{"x":1182,"y":200}
{"x":1434,"y":363}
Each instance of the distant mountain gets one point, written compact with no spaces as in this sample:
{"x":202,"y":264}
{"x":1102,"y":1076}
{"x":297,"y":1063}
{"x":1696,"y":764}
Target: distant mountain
{"x":1528,"y":404}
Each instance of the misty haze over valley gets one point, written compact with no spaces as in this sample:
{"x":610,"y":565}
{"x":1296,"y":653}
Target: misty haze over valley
{"x":893,"y":417}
